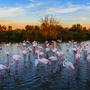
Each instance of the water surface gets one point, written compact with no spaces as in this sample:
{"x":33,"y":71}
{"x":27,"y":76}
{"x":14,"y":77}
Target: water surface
{"x":27,"y":78}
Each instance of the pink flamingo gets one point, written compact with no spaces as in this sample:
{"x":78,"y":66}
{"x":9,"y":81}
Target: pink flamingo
{"x":59,"y":40}
{"x":88,"y":59}
{"x":44,"y":61}
{"x":29,"y":49}
{"x":68,"y":65}
{"x":53,"y":58}
{"x":15,"y":58}
{"x":7,"y":53}
{"x":23,"y":52}
{"x":77,"y":56}
{"x":59,"y":54}
{"x":17,"y":45}
{"x":3,"y":67}
{"x":8,"y":44}
{"x":54,"y":49}
{"x":47,"y":50}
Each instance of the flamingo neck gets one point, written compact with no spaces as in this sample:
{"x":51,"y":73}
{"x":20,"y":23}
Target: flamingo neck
{"x":21,"y":50}
{"x":38,"y":54}
{"x":12,"y":63}
{"x":5,"y":48}
{"x":54,"y":45}
{"x":64,"y":62}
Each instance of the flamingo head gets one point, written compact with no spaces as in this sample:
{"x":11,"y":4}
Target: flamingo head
{"x":49,"y":62}
{"x":36,"y":47}
{"x":8,"y":54}
{"x":27,"y":52}
{"x":7,"y":68}
{"x":20,"y":57}
{"x":76,"y":58}
{"x":20,"y":47}
{"x":63,"y":57}
{"x":53,"y":43}
{"x":71,"y":66}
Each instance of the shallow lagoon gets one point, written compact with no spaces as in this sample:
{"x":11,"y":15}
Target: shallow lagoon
{"x":26,"y":78}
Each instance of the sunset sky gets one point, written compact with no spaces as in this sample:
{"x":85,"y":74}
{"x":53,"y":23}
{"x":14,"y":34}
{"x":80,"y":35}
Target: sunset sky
{"x":19,"y":13}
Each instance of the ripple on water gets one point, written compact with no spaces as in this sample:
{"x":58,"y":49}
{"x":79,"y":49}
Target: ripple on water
{"x":27,"y":78}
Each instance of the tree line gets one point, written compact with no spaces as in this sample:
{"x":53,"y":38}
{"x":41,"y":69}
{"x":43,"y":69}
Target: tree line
{"x":48,"y":29}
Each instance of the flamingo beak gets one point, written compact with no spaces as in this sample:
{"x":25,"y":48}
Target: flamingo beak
{"x":49,"y":62}
{"x":72,"y":67}
{"x":52,"y":43}
{"x":20,"y":57}
{"x":27,"y":52}
{"x":75,"y":58}
{"x":8,"y":54}
{"x":36,"y":47}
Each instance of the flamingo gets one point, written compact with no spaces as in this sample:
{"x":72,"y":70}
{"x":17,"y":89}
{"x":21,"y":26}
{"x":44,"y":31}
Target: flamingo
{"x":68,"y":65}
{"x":44,"y":61}
{"x":59,"y":40}
{"x":29,"y":49}
{"x":8,"y":44}
{"x":88,"y":50}
{"x":34,"y":44}
{"x":17,"y":45}
{"x":74,"y":48}
{"x":7,"y":53}
{"x":59,"y":54}
{"x":3,"y":67}
{"x":15,"y":58}
{"x":55,"y":49}
{"x":47,"y":50}
{"x":41,"y":54}
{"x":23,"y":52}
{"x":53,"y":58}
{"x":88,"y":59}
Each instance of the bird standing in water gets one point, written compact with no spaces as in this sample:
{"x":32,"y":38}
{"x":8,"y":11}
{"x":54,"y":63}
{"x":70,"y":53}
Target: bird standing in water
{"x":68,"y":65}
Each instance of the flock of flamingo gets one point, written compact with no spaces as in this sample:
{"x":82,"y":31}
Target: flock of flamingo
{"x":57,"y":56}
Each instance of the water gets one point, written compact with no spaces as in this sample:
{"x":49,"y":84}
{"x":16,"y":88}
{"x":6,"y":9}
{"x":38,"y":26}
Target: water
{"x":27,"y":78}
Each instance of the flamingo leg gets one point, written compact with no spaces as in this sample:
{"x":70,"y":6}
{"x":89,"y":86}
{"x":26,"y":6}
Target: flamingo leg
{"x":36,"y":68}
{"x":73,"y":74}
{"x":48,"y":69}
{"x":52,"y":65}
{"x":5,"y":73}
{"x":44,"y":68}
{"x":24,"y":57}
{"x":60,"y":61}
{"x":57,"y":58}
{"x":89,"y":66}
{"x":68,"y":74}
{"x":7,"y":59}
{"x":1,"y":73}
{"x":16,"y":65}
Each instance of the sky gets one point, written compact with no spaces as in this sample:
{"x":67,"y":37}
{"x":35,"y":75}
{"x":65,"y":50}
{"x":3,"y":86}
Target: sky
{"x":19,"y":13}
